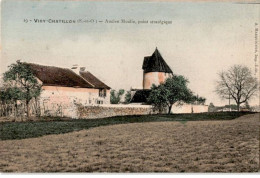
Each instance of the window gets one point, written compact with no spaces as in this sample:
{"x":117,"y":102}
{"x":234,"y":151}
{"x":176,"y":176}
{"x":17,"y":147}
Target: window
{"x":102,"y":93}
{"x":99,"y":102}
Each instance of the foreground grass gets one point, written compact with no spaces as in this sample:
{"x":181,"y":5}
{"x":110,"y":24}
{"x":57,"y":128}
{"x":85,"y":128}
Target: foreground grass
{"x":22,"y":130}
{"x":200,"y":146}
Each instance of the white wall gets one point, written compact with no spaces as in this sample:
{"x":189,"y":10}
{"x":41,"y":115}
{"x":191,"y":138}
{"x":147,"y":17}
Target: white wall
{"x":61,"y":101}
{"x":156,"y":78}
{"x":187,"y":108}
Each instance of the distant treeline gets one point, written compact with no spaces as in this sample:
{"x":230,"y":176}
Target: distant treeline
{"x":232,"y":107}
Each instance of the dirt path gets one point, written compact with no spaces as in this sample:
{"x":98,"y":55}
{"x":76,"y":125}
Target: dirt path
{"x":194,"y":146}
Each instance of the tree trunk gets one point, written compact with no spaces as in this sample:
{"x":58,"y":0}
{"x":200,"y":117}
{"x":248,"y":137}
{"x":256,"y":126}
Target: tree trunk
{"x":16,"y":109}
{"x":1,"y":109}
{"x":13,"y":109}
{"x":27,"y":108}
{"x":238,"y":107}
{"x":4,"y":110}
{"x":170,"y":108}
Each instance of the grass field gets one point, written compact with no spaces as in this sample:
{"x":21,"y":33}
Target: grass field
{"x":193,"y":146}
{"x":46,"y":126}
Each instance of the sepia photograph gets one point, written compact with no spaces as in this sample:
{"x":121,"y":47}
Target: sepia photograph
{"x":151,"y":86}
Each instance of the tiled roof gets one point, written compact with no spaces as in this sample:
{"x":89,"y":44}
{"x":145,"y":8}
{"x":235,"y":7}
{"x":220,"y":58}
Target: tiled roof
{"x":93,"y":80}
{"x":56,"y":76}
{"x":155,"y":63}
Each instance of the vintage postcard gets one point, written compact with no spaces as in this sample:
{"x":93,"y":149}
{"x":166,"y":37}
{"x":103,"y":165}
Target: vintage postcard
{"x":129,"y":86}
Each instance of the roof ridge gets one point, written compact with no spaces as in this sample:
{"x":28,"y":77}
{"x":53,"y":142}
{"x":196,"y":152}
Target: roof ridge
{"x":45,"y":65}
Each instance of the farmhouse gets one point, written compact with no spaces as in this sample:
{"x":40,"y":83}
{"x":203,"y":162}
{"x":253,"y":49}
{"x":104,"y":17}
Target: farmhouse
{"x":63,"y":88}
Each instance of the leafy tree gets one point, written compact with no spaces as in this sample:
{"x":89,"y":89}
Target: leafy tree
{"x":198,"y":100}
{"x":232,"y":106}
{"x":128,"y":97}
{"x":115,"y":96}
{"x":5,"y":98}
{"x":22,"y":82}
{"x":174,"y":90}
{"x":238,"y":83}
{"x":201,"y":100}
{"x":11,"y":95}
{"x":212,"y":108}
{"x":159,"y":97}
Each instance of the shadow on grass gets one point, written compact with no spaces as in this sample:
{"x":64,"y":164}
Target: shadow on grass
{"x":22,"y":130}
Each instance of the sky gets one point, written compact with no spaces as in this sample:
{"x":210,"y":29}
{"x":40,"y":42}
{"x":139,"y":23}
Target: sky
{"x":203,"y":39}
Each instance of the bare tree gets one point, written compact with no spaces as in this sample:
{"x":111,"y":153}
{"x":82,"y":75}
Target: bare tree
{"x":237,"y":83}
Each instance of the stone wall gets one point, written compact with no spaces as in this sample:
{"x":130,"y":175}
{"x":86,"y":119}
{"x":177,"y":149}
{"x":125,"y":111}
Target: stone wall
{"x":77,"y":110}
{"x":92,"y":112}
{"x":101,"y":111}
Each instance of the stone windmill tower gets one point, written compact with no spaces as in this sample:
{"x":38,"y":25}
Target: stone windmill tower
{"x":155,"y":70}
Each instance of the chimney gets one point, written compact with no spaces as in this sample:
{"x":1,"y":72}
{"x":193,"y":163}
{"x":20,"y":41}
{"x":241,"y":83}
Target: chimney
{"x":19,"y":61}
{"x":82,"y":69}
{"x":77,"y":69}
